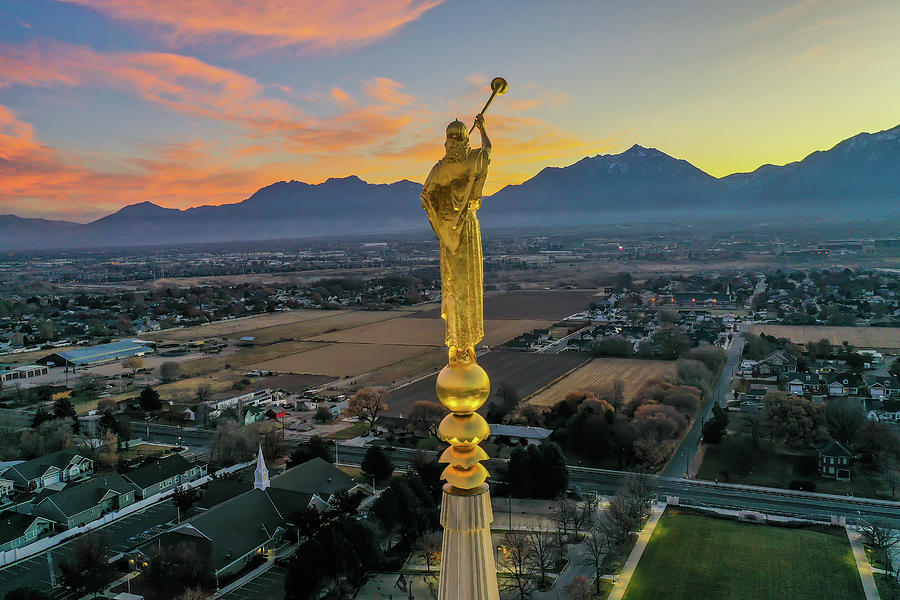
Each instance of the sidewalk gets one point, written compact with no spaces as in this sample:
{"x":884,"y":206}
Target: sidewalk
{"x":624,"y":579}
{"x":576,"y":554}
{"x":863,"y":566}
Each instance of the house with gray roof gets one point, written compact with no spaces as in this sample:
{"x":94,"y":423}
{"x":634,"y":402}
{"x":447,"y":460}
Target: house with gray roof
{"x":164,"y":474}
{"x":521,"y":433}
{"x":313,"y":483}
{"x":84,"y":502}
{"x":229,"y":534}
{"x":17,"y":530}
{"x":314,"y":477}
{"x":62,"y":466}
{"x":251,"y":520}
{"x":802,"y":383}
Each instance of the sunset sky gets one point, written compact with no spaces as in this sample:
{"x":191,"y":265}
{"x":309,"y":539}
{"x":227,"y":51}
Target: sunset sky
{"x":105,"y":103}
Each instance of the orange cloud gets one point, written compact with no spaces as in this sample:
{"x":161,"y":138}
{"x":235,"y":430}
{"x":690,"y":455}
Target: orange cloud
{"x":387,"y":91}
{"x":36,"y":180}
{"x":190,"y":86}
{"x":261,"y":24}
{"x":383,"y":135}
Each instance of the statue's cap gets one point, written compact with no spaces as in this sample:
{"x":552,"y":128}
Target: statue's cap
{"x":457,"y":130}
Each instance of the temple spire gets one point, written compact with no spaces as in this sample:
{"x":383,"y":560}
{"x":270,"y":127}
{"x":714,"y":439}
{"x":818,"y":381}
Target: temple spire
{"x":261,"y":477}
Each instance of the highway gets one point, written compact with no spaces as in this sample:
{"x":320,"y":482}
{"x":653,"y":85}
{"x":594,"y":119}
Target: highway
{"x":771,"y":501}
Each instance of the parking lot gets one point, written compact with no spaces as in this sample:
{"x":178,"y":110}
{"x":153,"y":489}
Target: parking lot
{"x":267,"y":586}
{"x":124,"y":534}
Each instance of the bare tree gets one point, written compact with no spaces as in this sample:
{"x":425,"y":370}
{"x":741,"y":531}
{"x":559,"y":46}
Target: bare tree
{"x":429,"y":548}
{"x":203,"y":392}
{"x":564,"y":515}
{"x":230,"y":445}
{"x":578,"y":589}
{"x":88,"y":570}
{"x":108,"y":452}
{"x":169,"y":371}
{"x":134,"y":363}
{"x":887,"y":468}
{"x":544,"y":550}
{"x":367,"y":404}
{"x":427,"y":415}
{"x":597,"y":548}
{"x":881,"y":539}
{"x":516,"y":577}
{"x":192,"y":593}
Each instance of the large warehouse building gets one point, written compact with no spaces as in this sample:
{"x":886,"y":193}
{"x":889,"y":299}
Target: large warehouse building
{"x":95,"y":355}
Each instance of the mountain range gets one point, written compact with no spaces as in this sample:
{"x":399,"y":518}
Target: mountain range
{"x":860,"y":176}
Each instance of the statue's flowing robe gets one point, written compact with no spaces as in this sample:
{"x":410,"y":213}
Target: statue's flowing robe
{"x":451,"y":197}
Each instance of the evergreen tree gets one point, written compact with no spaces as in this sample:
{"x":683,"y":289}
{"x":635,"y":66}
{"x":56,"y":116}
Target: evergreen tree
{"x":150,"y":399}
{"x":376,"y":463}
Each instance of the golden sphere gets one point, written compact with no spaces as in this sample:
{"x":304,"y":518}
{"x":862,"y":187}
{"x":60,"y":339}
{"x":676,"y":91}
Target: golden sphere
{"x":464,"y":430}
{"x":465,"y":479}
{"x":463,"y":388}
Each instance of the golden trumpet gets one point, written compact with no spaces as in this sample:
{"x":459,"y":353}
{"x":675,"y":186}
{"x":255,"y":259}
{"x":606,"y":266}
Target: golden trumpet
{"x":499,"y":86}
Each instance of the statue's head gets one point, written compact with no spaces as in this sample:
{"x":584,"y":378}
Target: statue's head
{"x":457,"y":144}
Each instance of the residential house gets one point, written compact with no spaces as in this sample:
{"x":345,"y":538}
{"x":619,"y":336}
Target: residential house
{"x":392,"y":425}
{"x":212,"y":408}
{"x":164,"y":474}
{"x":752,"y":400}
{"x":17,"y":530}
{"x":6,"y":489}
{"x":276,"y":413}
{"x":835,"y":461}
{"x":843,"y":384}
{"x":254,"y":414}
{"x":37,"y":473}
{"x":803,"y":383}
{"x":84,"y":502}
{"x":520,"y":433}
{"x":881,"y":386}
{"x":775,"y":363}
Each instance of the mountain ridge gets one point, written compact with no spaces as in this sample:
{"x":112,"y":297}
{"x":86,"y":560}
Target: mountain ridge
{"x":638,"y":181}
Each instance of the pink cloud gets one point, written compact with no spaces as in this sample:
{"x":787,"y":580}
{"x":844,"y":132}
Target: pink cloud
{"x":187,"y":85}
{"x":261,"y":24}
{"x":383,"y":134}
{"x":387,"y":91}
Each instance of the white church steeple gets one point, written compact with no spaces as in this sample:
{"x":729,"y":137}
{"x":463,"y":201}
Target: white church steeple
{"x":261,"y":478}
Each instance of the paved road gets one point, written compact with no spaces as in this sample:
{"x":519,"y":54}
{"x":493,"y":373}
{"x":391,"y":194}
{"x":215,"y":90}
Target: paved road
{"x":771,"y":501}
{"x":124,"y":534}
{"x":678,"y":465}
{"x":198,"y":441}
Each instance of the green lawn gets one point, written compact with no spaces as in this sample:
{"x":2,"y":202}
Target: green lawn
{"x":143,"y":451}
{"x":737,"y":460}
{"x":691,"y":557}
{"x":348,"y":433}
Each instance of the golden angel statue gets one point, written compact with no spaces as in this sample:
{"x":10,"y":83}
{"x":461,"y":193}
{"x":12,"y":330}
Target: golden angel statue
{"x":451,"y":197}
